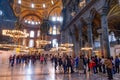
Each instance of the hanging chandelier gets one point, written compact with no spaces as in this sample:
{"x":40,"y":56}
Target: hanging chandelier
{"x":42,"y":41}
{"x":40,"y":50}
{"x":53,"y":49}
{"x":61,"y":48}
{"x":86,"y":48}
{"x":67,"y":45}
{"x":65,"y":49}
{"x":15,"y":33}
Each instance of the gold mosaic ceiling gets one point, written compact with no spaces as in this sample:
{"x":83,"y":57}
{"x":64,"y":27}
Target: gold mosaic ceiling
{"x":40,"y":8}
{"x":38,"y":3}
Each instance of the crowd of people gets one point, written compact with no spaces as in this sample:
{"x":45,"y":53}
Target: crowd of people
{"x":26,"y":58}
{"x":69,"y":64}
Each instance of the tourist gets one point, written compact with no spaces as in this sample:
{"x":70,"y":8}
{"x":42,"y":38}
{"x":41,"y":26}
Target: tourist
{"x":92,"y":65}
{"x":96,"y":66}
{"x":103,"y":65}
{"x":81,"y":65}
{"x":109,"y":66}
{"x":60,"y":63}
{"x":76,"y":63}
{"x":64,"y":60}
{"x":41,"y":59}
{"x":117,"y":63}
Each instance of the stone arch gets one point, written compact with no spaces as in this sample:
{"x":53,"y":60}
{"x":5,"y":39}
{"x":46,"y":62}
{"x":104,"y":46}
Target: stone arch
{"x":56,"y":7}
{"x":95,"y":19}
{"x":29,"y":12}
{"x":92,"y":13}
{"x":107,"y":3}
{"x":114,"y":18}
{"x":30,"y":15}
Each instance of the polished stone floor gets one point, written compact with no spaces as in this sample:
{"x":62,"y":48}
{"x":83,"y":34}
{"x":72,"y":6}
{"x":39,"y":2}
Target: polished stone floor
{"x":44,"y":72}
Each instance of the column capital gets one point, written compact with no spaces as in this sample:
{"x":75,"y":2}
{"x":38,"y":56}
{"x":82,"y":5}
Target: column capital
{"x":104,"y":11}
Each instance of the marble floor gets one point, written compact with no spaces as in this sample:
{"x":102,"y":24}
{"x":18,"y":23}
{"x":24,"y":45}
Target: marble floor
{"x":44,"y":72}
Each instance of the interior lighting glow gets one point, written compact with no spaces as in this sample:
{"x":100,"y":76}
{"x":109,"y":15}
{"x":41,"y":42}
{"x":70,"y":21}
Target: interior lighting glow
{"x":32,"y":5}
{"x":0,"y":12}
{"x":36,"y":23}
{"x":32,"y":23}
{"x":54,"y":30}
{"x":87,"y":48}
{"x":44,"y":5}
{"x":19,"y":2}
{"x":60,"y":19}
{"x":52,"y":1}
{"x":25,"y":21}
{"x":29,"y":22}
{"x":54,"y":18}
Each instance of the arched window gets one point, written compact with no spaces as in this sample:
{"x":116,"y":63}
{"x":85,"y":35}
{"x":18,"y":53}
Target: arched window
{"x":97,"y":44}
{"x":32,"y":34}
{"x":38,"y":33}
{"x":112,"y":37}
{"x":31,"y":43}
{"x":54,"y":30}
{"x":54,"y":43}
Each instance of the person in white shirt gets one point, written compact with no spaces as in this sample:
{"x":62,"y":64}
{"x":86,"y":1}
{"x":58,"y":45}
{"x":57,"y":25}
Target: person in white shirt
{"x":103,"y":65}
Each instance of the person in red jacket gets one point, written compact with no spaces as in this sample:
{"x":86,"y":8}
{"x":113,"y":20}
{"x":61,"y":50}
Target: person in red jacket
{"x":92,"y":64}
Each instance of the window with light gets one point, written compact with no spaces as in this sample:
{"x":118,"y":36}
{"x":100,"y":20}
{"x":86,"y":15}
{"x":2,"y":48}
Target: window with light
{"x":54,"y":30}
{"x":32,"y":34}
{"x":38,"y":33}
{"x":54,"y":43}
{"x":31,"y":43}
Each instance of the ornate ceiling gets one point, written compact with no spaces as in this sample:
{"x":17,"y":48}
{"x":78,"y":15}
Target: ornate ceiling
{"x":38,"y":3}
{"x":40,"y":8}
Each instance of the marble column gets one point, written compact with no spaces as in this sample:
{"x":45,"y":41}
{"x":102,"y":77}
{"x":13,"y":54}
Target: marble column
{"x":90,"y":35}
{"x":64,"y":17}
{"x":70,"y":41}
{"x":76,"y":44}
{"x":105,"y":34}
{"x":79,"y":25}
{"x":62,"y":37}
{"x":75,"y":47}
{"x":101,"y":41}
{"x":66,"y":36}
{"x":101,"y":45}
{"x":80,"y":36}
